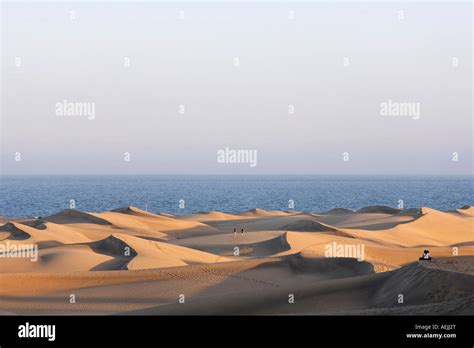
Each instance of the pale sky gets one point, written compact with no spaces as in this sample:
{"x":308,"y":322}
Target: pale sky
{"x":288,"y":54}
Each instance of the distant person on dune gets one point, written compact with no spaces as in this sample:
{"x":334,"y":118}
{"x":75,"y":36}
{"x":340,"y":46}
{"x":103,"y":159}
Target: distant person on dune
{"x":242,"y":231}
{"x":235,"y":231}
{"x":426,"y":256}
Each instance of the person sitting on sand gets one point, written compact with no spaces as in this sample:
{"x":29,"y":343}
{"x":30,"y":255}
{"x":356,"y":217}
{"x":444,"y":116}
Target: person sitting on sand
{"x":426,"y":256}
{"x":235,"y":231}
{"x":242,"y":231}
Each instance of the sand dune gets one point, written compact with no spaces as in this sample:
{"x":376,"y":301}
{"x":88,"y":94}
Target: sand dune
{"x":211,"y":216}
{"x":262,"y":243}
{"x":72,"y":216}
{"x":132,"y":261}
{"x":350,"y":293}
{"x":309,"y":226}
{"x":61,"y":258}
{"x":433,"y":228}
{"x":466,"y":211}
{"x":11,"y":231}
{"x":131,"y":210}
{"x":256,"y":212}
{"x":337,"y":211}
{"x":366,"y":221}
{"x":150,"y":224}
{"x":151,"y":254}
{"x":469,"y":210}
{"x":52,"y":233}
{"x":380,"y":209}
{"x":423,"y":282}
{"x":299,"y":222}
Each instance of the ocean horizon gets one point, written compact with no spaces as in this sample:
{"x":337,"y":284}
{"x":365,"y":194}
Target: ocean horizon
{"x":41,"y":195}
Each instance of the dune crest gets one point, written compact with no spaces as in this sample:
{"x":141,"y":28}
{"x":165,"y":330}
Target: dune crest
{"x":131,"y":210}
{"x":14,"y":231}
{"x":210,"y":216}
{"x":71,"y":216}
{"x":432,"y":228}
{"x":338,"y":211}
{"x":151,"y":254}
{"x":380,"y":209}
{"x":257,"y":212}
{"x":309,"y":226}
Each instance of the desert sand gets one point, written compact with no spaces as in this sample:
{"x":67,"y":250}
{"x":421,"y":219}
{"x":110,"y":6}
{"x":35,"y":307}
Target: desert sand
{"x":341,"y":262}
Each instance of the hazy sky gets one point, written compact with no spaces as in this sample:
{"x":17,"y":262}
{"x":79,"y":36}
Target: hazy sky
{"x":334,"y":64}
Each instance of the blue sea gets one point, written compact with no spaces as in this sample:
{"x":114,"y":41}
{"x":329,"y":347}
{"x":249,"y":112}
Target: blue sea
{"x":24,"y":196}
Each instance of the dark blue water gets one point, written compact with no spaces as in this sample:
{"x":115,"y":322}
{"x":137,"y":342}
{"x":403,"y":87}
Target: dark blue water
{"x":42,"y":195}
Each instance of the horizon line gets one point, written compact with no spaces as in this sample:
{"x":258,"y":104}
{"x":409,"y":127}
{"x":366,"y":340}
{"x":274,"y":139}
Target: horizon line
{"x":240,"y":174}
